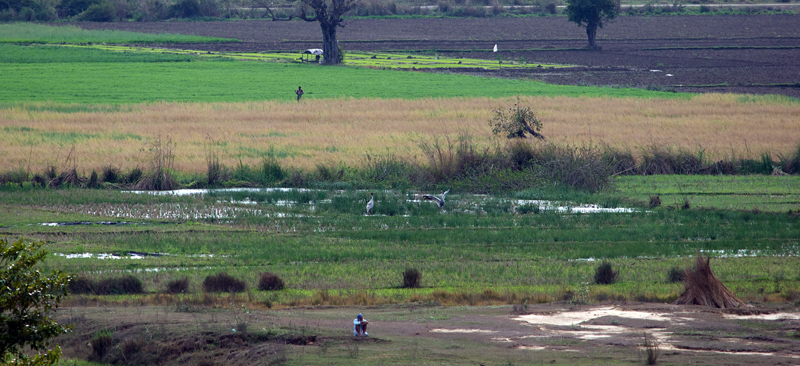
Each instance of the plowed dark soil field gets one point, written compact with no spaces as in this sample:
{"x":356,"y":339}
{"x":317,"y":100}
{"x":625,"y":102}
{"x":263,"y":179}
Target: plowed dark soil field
{"x":757,"y":54}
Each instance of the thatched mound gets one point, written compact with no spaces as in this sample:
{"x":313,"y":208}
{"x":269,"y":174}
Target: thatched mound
{"x":703,"y":288}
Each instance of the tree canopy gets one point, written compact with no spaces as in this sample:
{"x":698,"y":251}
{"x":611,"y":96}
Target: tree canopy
{"x":27,"y":296}
{"x":330,"y":15}
{"x":591,"y":14}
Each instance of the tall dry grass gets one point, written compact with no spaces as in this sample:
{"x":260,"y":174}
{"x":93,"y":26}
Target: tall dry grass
{"x":346,"y":131}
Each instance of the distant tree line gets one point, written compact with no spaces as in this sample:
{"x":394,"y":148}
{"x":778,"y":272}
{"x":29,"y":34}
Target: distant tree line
{"x":154,"y":10}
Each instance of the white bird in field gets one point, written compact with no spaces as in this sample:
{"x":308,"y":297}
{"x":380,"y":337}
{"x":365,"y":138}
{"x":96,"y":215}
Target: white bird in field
{"x":371,"y":203}
{"x":439,"y":201}
{"x":495,"y":48}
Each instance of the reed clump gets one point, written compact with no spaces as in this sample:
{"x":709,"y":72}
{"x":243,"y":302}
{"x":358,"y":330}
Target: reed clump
{"x":162,"y":159}
{"x":605,"y":274}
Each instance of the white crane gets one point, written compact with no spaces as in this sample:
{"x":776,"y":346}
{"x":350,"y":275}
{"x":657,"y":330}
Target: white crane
{"x":371,"y":203}
{"x":439,"y":201}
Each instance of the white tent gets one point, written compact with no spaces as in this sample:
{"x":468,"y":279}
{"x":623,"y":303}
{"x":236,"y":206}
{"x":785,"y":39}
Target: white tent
{"x":311,"y":51}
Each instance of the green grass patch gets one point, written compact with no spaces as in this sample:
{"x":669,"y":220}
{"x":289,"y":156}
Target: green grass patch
{"x":24,"y":32}
{"x":751,"y":192}
{"x":142,"y":82}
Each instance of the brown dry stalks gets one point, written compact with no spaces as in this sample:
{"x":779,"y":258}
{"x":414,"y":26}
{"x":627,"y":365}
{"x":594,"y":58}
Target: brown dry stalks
{"x":162,"y":160}
{"x":703,"y":288}
{"x":344,"y":131}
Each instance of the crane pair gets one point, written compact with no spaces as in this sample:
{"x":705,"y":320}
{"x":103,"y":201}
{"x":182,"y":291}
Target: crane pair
{"x":439,"y":201}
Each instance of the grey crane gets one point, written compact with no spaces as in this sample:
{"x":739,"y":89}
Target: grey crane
{"x":439,"y":201}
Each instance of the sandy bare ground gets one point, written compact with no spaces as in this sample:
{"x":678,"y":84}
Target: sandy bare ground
{"x":551,"y":333}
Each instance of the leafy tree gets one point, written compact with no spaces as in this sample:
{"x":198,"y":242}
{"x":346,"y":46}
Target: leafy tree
{"x":515,"y":122}
{"x":591,"y":14}
{"x":330,"y":15}
{"x":26,"y":298}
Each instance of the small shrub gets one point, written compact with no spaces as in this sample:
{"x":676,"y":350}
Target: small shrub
{"x":412,"y":278}
{"x":270,"y":282}
{"x":655,"y":201}
{"x":110,"y":174}
{"x":516,"y":122}
{"x":676,"y":275}
{"x":81,"y":285}
{"x":271,"y":171}
{"x":40,"y":180}
{"x":222,"y":282}
{"x":134,"y":176}
{"x":93,"y":180}
{"x":651,"y":350}
{"x":180,"y":286}
{"x":604,"y":274}
{"x":101,"y":343}
{"x":119,"y":286}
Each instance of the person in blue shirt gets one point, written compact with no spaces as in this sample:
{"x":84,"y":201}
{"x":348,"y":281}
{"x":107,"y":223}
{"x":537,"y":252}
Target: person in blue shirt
{"x":360,"y":326}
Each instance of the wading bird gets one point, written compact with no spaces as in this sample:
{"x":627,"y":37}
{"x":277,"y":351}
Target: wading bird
{"x":371,"y":203}
{"x":439,"y":201}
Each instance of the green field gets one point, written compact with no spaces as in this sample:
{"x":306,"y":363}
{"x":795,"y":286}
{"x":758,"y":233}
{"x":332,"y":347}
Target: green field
{"x":41,"y":73}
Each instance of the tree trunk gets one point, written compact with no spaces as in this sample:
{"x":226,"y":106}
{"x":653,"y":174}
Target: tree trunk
{"x":330,"y":46}
{"x":591,"y":32}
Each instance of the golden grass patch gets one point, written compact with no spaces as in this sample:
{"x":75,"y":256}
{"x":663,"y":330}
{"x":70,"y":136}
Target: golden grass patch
{"x":347,"y":130}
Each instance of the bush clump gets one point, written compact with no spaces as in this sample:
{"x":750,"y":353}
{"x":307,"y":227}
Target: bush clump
{"x":102,"y":342}
{"x":108,"y":286}
{"x":81,"y":285}
{"x":270,"y":282}
{"x":223,"y":282}
{"x":119,"y":286}
{"x":412,"y":278}
{"x":604,"y":274}
{"x":180,"y":286}
{"x":676,"y":275}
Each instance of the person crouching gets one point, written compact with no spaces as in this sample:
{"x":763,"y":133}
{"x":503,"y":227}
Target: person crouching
{"x":360,"y":326}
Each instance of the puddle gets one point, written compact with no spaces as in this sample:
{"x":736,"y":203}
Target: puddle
{"x":584,"y":208}
{"x":189,"y":192}
{"x":100,"y":256}
{"x":571,"y":318}
{"x":473,"y":201}
{"x":442,"y":330}
{"x":71,"y":223}
{"x":129,"y":255}
{"x":774,"y":316}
